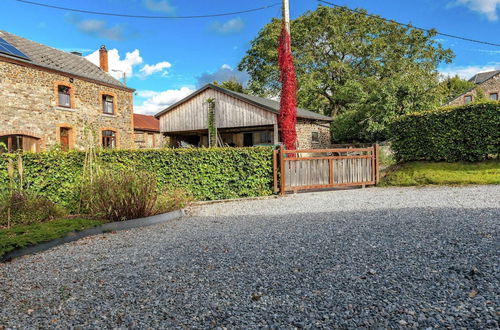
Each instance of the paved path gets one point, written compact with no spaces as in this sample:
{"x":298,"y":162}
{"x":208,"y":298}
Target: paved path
{"x":378,"y":257}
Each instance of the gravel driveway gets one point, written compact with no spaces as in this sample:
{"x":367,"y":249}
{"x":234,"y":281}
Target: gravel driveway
{"x":378,"y":257}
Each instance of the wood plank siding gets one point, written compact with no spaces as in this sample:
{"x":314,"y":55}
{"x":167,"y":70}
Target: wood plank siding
{"x":191,"y":115}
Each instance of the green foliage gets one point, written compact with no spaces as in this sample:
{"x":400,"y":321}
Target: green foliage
{"x":205,"y":174}
{"x":451,"y":87}
{"x":439,"y":173}
{"x":348,"y":62}
{"x":212,"y":130}
{"x":25,"y":235}
{"x":465,"y":133}
{"x":21,"y":207}
{"x":232,"y":85}
{"x":128,"y":194}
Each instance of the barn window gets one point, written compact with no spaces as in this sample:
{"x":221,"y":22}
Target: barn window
{"x":494,"y":96}
{"x":468,"y":99}
{"x":108,"y":104}
{"x":64,"y":96}
{"x":315,"y":137}
{"x":109,"y":139}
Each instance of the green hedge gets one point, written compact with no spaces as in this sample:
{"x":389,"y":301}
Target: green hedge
{"x":207,"y":174}
{"x":464,"y":133}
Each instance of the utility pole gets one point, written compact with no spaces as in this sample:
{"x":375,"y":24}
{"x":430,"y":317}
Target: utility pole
{"x":286,"y":15}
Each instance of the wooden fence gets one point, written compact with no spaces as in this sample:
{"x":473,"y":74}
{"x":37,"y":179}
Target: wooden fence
{"x":325,"y":168}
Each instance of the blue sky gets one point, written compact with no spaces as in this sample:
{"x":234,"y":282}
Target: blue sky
{"x":167,"y":59}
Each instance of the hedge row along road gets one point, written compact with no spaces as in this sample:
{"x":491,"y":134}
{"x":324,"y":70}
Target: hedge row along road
{"x":208,"y":174}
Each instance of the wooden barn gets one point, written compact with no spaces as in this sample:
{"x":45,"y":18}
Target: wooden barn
{"x":214,"y":116}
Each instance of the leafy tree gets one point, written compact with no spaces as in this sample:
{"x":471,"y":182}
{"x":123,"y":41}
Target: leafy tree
{"x":232,"y":85}
{"x":350,"y":64}
{"x":452,"y":87}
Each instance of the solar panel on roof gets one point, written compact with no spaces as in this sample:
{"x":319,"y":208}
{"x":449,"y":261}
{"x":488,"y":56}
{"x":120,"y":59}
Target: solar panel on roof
{"x":8,"y":49}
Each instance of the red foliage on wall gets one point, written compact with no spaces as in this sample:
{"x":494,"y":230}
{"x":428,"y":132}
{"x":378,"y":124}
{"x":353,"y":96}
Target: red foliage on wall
{"x":287,"y":118}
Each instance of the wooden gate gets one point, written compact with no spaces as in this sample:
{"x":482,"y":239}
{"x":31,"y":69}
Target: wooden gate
{"x":296,"y":170}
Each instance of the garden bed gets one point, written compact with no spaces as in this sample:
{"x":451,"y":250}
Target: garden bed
{"x":22,"y":236}
{"x":443,"y":173}
{"x":28,"y":239}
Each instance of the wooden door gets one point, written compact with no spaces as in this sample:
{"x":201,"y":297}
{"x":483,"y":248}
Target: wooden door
{"x":64,"y":138}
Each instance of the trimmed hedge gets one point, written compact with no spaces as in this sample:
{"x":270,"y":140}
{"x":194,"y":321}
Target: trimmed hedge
{"x":464,"y":133}
{"x":207,"y":174}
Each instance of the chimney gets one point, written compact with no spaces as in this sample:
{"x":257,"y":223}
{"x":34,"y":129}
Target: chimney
{"x":103,"y":58}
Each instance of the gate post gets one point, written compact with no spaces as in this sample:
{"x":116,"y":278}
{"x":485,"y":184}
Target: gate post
{"x":376,"y":148}
{"x":282,"y":170}
{"x":275,"y":171}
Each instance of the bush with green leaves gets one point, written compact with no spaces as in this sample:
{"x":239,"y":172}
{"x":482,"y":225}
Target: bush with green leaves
{"x":464,"y":133}
{"x":205,"y":173}
{"x":128,"y":194}
{"x":21,"y":207}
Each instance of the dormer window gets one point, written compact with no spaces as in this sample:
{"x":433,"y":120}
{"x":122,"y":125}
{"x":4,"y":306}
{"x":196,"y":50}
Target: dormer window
{"x":108,"y":106}
{"x":64,"y":96}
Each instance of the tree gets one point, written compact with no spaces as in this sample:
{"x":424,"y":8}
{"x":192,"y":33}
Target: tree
{"x":349,"y":63}
{"x":451,"y":87}
{"x":232,"y":85}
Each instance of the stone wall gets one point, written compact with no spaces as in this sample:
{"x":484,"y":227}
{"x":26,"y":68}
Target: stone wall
{"x":305,"y":129}
{"x":29,"y":106}
{"x":149,"y":140}
{"x":490,"y":86}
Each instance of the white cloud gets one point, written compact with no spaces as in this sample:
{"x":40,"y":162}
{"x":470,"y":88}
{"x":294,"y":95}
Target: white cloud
{"x":158,"y":101}
{"x":232,"y":26}
{"x":97,"y":28}
{"x":224,"y":73}
{"x":116,"y":63}
{"x":466,"y":72}
{"x":162,"y":6}
{"x":485,"y":7}
{"x":148,"y":70}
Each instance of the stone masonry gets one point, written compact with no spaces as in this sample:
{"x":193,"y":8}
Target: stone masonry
{"x":305,"y":129}
{"x":29,"y":106}
{"x":488,"y":87}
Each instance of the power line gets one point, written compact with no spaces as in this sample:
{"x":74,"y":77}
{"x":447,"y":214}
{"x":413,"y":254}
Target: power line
{"x":411,"y":26}
{"x":146,"y":16}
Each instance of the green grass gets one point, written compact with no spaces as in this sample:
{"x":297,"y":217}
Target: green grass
{"x":442,"y":173}
{"x":26,"y":235}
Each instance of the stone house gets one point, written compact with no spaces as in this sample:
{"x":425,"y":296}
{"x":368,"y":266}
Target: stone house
{"x":239,"y":120}
{"x":147,"y":132}
{"x":51,"y":98}
{"x":487,"y":83}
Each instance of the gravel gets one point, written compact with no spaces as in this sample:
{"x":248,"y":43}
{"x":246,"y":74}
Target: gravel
{"x":376,"y":258}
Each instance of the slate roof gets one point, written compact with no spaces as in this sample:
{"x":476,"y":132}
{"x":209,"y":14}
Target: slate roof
{"x":266,"y":104}
{"x":483,"y":76}
{"x":146,"y":123}
{"x":51,"y":58}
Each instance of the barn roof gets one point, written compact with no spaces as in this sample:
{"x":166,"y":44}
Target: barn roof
{"x":146,"y":123}
{"x":266,"y":104}
{"x":58,"y":60}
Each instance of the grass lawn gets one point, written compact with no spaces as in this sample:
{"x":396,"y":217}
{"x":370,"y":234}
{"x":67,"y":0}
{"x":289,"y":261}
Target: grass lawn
{"x":442,"y":173}
{"x":26,"y":235}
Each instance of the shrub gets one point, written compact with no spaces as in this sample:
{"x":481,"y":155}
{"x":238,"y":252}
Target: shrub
{"x":20,"y":207}
{"x":205,"y":174}
{"x":128,"y":194}
{"x":171,"y":200}
{"x":465,"y":133}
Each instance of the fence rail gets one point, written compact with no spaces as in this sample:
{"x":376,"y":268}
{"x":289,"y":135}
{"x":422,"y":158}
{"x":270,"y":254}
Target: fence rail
{"x":296,"y":170}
